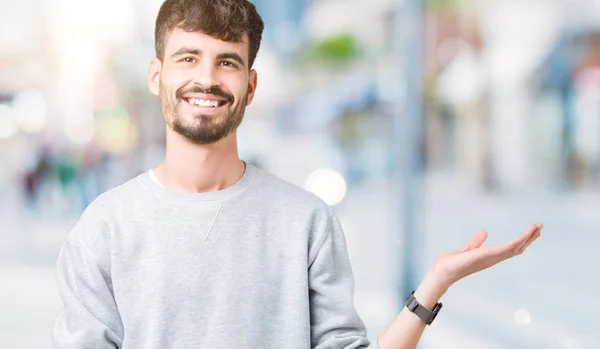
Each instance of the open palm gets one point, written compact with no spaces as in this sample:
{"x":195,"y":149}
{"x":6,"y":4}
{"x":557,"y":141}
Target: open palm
{"x":473,"y":257}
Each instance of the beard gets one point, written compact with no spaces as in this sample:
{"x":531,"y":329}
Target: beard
{"x":202,"y":129}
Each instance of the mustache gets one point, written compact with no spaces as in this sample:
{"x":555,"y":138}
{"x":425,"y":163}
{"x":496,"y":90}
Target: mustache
{"x":214,"y":90}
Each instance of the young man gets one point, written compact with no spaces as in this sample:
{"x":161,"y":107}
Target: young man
{"x":206,"y":251}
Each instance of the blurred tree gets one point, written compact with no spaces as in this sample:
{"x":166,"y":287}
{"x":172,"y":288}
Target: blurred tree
{"x":330,"y":51}
{"x":337,"y":48}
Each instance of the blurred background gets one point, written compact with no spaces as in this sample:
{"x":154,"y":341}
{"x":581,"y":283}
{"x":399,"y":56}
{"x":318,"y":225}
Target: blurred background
{"x":420,"y":121}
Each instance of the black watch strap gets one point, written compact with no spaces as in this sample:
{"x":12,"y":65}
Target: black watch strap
{"x":425,"y":314}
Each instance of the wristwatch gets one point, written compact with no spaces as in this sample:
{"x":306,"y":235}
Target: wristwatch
{"x":425,"y":314}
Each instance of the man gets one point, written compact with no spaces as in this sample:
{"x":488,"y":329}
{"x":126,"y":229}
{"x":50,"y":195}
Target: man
{"x":206,"y":251}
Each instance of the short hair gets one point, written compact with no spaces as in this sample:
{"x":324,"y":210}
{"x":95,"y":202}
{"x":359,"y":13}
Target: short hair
{"x":226,"y":20}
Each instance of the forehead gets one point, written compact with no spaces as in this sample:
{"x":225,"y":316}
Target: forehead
{"x":179,"y":38}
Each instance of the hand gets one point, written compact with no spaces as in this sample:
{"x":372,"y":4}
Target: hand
{"x":473,"y":258}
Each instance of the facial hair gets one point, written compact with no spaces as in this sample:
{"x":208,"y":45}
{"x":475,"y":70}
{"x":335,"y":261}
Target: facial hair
{"x":202,"y":129}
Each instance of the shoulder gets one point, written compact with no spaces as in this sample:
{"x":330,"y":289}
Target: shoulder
{"x":301,"y":210}
{"x":99,"y":217}
{"x":280,"y":192}
{"x":286,"y":202}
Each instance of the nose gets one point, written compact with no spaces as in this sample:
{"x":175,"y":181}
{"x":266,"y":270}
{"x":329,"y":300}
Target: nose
{"x":205,"y":75}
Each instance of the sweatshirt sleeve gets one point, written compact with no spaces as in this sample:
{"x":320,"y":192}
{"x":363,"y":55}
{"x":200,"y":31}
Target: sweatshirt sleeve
{"x":335,"y":324}
{"x":89,"y":317}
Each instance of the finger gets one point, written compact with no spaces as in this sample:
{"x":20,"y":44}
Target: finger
{"x":520,"y":240}
{"x":537,"y":230}
{"x":493,"y":255}
{"x":534,"y":237}
{"x":475,"y":241}
{"x":511,"y":248}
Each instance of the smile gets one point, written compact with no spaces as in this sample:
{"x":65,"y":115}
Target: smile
{"x":205,"y":103}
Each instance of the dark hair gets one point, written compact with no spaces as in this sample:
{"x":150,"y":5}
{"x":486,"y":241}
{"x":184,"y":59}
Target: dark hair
{"x":227,"y":20}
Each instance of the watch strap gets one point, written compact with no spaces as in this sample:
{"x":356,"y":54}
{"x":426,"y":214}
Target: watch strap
{"x":421,"y":311}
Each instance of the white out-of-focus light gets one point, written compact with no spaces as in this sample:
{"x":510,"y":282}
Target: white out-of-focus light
{"x":30,"y":111}
{"x":522,"y":317}
{"x":327,"y":184}
{"x":8,"y":127}
{"x":325,"y":18}
{"x":79,"y":60}
{"x":80,"y":132}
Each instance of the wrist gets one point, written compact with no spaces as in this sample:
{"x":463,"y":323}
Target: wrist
{"x":431,"y":290}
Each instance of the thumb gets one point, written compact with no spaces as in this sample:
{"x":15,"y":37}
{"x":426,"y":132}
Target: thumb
{"x":475,"y":241}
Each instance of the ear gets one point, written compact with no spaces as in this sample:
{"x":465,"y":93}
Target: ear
{"x":252,"y":82}
{"x":154,"y":76}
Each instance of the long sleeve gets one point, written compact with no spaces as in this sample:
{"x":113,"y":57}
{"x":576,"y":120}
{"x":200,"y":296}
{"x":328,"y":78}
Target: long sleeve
{"x":335,"y":324}
{"x":89,"y":317}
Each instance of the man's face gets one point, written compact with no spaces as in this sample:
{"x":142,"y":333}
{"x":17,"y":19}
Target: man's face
{"x":203,"y":84}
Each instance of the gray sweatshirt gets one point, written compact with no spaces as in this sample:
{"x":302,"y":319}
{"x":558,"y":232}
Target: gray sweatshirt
{"x":260,"y":264}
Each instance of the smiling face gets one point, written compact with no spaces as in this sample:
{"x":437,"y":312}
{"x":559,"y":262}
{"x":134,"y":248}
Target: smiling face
{"x":203,"y":84}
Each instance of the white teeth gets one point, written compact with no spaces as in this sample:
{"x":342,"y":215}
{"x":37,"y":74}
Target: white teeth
{"x":204,"y":102}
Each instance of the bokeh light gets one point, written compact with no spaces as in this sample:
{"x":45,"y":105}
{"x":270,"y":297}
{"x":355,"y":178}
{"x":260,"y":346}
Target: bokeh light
{"x":30,"y":111}
{"x":522,"y":317}
{"x":8,"y":126}
{"x":327,"y":184}
{"x":114,"y":129}
{"x":80,"y":132}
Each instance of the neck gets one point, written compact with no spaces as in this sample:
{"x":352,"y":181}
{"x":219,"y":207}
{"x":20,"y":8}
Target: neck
{"x":195,"y":168}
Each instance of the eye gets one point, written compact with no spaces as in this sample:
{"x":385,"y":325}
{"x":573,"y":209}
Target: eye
{"x":228,"y":64}
{"x":187,"y":60}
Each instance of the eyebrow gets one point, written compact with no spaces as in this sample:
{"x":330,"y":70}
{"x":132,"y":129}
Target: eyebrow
{"x":232,"y":55}
{"x":194,"y":51}
{"x":186,"y":50}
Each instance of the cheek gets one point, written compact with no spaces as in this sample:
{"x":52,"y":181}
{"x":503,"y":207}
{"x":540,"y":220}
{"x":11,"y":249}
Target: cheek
{"x":173,"y":81}
{"x":240,"y":93}
{"x":238,"y":87}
